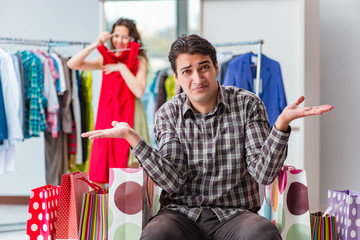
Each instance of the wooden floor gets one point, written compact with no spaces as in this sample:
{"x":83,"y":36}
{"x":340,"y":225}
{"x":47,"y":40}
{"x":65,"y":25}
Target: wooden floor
{"x":13,"y":221}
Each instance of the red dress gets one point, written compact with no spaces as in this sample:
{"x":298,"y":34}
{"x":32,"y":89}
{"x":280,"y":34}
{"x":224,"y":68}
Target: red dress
{"x":116,"y":103}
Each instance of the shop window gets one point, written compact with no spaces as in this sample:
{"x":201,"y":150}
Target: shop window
{"x":159,"y":23}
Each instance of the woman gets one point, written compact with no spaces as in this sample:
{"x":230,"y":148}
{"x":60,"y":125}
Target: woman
{"x":124,"y":80}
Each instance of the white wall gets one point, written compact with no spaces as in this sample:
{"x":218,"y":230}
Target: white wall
{"x":290,"y":30}
{"x":252,"y":20}
{"x":340,"y":84}
{"x":42,"y":20}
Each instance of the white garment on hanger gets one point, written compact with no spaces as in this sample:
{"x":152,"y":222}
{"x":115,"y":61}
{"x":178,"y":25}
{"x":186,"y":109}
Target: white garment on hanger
{"x":11,"y":93}
{"x":61,"y":73}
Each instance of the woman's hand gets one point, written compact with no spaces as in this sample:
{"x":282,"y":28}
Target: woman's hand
{"x":117,"y":67}
{"x":294,"y":111}
{"x":103,"y":38}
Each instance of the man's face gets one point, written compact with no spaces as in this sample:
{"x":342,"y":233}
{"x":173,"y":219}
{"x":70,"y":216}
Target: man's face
{"x":196,"y":74}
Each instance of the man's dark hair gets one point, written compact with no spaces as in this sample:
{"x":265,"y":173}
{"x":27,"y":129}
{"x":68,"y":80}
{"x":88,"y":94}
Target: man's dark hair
{"x":192,"y":44}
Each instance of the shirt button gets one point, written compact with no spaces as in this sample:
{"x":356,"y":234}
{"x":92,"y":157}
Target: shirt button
{"x":209,"y":135}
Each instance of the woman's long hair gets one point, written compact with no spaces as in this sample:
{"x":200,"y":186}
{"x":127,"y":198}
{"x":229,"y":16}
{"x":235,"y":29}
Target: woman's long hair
{"x":133,"y":32}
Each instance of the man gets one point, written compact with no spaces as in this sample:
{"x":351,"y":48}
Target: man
{"x":215,"y":146}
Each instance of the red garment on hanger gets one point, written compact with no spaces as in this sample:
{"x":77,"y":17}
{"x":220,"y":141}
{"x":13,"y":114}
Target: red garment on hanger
{"x":116,"y":103}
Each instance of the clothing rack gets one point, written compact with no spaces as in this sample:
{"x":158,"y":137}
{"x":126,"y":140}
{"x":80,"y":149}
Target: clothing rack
{"x":259,"y":43}
{"x":49,"y":43}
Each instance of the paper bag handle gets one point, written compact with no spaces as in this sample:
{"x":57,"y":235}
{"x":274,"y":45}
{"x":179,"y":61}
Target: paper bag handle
{"x":327,"y":211}
{"x":94,"y":186}
{"x":268,"y":203}
{"x":288,"y":167}
{"x":147,"y":189}
{"x":47,"y":187}
{"x":284,"y":168}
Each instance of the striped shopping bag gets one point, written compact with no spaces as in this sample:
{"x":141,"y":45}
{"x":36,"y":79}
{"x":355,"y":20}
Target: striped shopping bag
{"x":323,"y":226}
{"x":94,"y":214}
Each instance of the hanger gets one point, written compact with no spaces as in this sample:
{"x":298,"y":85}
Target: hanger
{"x":124,"y":49}
{"x":123,"y":36}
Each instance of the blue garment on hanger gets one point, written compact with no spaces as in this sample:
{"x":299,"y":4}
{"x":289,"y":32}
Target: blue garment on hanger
{"x":57,"y":81}
{"x":241,"y":73}
{"x":3,"y":123}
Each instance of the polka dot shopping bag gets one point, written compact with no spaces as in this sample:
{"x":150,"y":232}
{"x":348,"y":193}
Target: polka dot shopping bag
{"x":133,"y":199}
{"x":42,"y":214}
{"x":286,"y":204}
{"x":345,"y":206}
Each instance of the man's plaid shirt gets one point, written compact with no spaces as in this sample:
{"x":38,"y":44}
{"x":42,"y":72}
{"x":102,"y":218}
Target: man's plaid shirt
{"x":213,"y":160}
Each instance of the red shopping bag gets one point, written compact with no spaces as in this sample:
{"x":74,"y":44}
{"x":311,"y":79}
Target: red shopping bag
{"x":72,"y":189}
{"x":42,"y":214}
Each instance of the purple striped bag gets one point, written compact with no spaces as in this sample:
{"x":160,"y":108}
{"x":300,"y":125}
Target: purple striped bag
{"x":94,"y":214}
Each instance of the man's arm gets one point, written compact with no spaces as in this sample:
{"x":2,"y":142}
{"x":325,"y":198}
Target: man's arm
{"x":266,"y":153}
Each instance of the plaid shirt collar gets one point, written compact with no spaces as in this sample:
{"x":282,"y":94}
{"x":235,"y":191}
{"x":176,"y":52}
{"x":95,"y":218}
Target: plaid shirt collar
{"x":188,"y":109}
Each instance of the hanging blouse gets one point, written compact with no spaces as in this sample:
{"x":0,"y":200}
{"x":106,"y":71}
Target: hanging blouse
{"x":35,"y":120}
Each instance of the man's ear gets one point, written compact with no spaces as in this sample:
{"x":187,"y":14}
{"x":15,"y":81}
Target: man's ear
{"x":176,"y":78}
{"x":217,"y":68}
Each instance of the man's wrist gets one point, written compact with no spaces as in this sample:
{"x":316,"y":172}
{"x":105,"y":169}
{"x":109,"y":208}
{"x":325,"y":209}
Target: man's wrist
{"x":132,"y":137}
{"x":281,"y":124}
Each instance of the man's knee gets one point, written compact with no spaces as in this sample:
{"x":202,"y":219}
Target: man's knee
{"x":170,"y":225}
{"x":248,"y":226}
{"x":266,"y":231}
{"x":159,"y":228}
{"x":157,"y":232}
{"x":263,"y":229}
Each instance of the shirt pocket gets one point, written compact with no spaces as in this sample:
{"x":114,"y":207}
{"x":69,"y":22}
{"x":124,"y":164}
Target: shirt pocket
{"x":230,"y":140}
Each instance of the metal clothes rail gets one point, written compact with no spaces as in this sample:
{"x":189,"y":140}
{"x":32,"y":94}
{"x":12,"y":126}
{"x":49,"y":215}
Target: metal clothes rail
{"x":50,"y":43}
{"x":258,"y":69}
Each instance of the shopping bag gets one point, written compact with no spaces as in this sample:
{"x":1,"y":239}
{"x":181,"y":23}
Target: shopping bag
{"x":345,"y":206}
{"x":94,"y":214}
{"x":70,"y":200}
{"x":133,"y":199}
{"x":286,"y":204}
{"x":42,"y":214}
{"x":323,"y":226}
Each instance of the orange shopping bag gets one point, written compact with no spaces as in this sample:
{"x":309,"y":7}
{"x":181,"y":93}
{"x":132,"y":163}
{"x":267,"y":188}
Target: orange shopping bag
{"x":72,"y":189}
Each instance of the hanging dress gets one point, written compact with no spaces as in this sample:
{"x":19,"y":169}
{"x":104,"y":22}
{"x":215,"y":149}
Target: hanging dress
{"x":116,"y":103}
{"x":141,"y":127}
